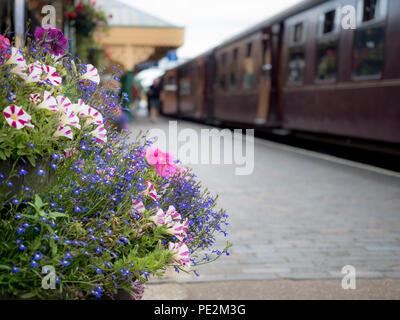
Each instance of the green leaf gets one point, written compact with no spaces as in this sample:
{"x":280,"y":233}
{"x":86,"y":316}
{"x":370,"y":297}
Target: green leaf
{"x":28,"y":295}
{"x":55,"y":215}
{"x":2,"y":266}
{"x":38,"y":202}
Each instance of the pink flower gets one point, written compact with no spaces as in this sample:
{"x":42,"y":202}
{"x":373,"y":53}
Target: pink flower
{"x":48,"y":102}
{"x":166,"y":170}
{"x":160,"y":218}
{"x":70,"y":152}
{"x":150,"y":190}
{"x":179,"y":229}
{"x":91,"y":114}
{"x":156,"y":156}
{"x":34,"y":73}
{"x":64,"y":132}
{"x":180,"y":253}
{"x":69,"y":118}
{"x":51,"y":75}
{"x":64,"y":104}
{"x":91,"y":74}
{"x":138,"y":206}
{"x":4,"y":43}
{"x":162,"y":161}
{"x":17,"y":118}
{"x":175,"y":215}
{"x":16,"y":59}
{"x":100,"y":133}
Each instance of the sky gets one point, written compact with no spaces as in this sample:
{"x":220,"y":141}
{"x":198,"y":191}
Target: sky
{"x":209,"y":22}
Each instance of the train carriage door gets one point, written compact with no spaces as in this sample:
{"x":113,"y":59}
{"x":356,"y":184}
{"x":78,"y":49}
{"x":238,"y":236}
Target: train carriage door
{"x":265,"y":81}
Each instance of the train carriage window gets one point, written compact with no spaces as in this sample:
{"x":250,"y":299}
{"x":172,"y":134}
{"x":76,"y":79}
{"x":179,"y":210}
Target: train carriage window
{"x":371,"y":10}
{"x":327,"y":46}
{"x":234,"y":70}
{"x":297,"y":62}
{"x":297,"y":66}
{"x":369,"y":39}
{"x":327,"y":60}
{"x":248,"y":67}
{"x":185,"y":87}
{"x":368,"y":52}
{"x":298,"y":33}
{"x":222,"y":72}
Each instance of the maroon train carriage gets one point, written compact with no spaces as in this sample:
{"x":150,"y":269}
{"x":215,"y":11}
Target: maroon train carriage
{"x":302,"y":71}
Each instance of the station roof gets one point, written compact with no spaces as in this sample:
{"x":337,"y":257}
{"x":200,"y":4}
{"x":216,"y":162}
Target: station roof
{"x":124,"y":15}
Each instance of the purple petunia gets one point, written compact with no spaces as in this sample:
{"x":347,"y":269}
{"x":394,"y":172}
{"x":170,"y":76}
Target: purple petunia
{"x":52,"y":39}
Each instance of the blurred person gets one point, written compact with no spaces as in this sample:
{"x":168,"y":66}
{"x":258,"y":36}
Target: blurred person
{"x":154,"y":99}
{"x":135,"y":94}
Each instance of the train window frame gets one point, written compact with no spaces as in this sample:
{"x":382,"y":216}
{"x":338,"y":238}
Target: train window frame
{"x":376,"y":76}
{"x":324,"y":38}
{"x":300,"y":47}
{"x":222,"y":71}
{"x":302,"y":40}
{"x":379,"y":20}
{"x":321,"y":22}
{"x":234,"y":69}
{"x":248,"y":64}
{"x":382,"y":11}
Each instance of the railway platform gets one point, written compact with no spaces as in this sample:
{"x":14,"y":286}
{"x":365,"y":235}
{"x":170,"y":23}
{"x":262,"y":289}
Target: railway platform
{"x":295,"y":222}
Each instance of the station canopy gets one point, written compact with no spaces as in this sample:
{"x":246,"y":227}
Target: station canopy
{"x":136,"y":37}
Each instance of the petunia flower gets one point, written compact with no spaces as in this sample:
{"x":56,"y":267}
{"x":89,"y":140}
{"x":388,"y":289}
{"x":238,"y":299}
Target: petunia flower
{"x":179,"y":229}
{"x":17,"y":118}
{"x":64,"y":104}
{"x":100,"y":134}
{"x":91,"y":114}
{"x":69,"y":118}
{"x":64,"y":132}
{"x":91,"y":74}
{"x":160,"y":218}
{"x":138,"y":206}
{"x":175,"y":215}
{"x":48,"y":102}
{"x":35,"y":98}
{"x":51,"y":75}
{"x":34,"y":73}
{"x":52,"y":39}
{"x":180,"y":253}
{"x":16,"y":59}
{"x":4,"y":43}
{"x":150,"y":191}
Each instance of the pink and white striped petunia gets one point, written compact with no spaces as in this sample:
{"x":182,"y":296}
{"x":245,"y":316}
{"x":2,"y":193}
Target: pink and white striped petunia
{"x":17,"y":118}
{"x":51,"y":75}
{"x":35,"y":98}
{"x":180,"y":254}
{"x":48,"y":102}
{"x":79,"y":106}
{"x":91,"y":114}
{"x":34,"y":73}
{"x":69,"y":118}
{"x":91,"y":74}
{"x":160,"y":218}
{"x":179,"y":229}
{"x":100,"y":133}
{"x":16,"y":59}
{"x":64,"y":104}
{"x":64,"y":132}
{"x":138,"y":206}
{"x":150,"y":190}
{"x":175,"y":215}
